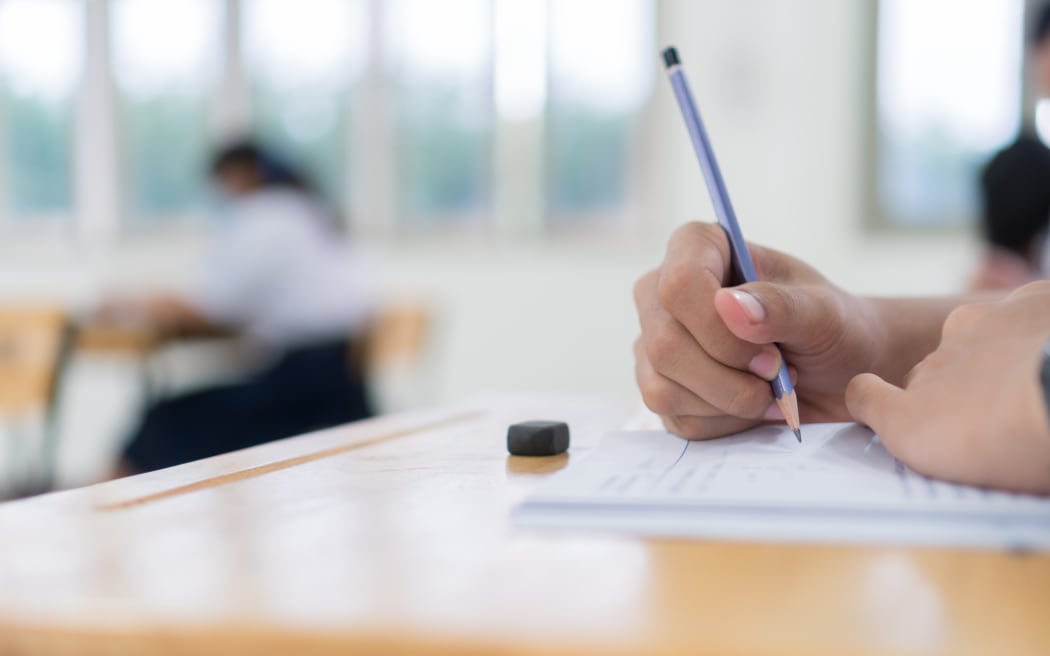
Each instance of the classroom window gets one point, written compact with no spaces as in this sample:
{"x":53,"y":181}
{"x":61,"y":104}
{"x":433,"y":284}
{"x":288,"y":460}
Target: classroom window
{"x":945,"y":104}
{"x":598,"y":86}
{"x":441,"y":96}
{"x":303,"y":59}
{"x":37,"y":87}
{"x":420,"y":114}
{"x":164,"y":58}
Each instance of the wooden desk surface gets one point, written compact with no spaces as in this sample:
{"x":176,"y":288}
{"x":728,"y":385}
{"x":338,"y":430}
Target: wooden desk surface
{"x":393,"y":537}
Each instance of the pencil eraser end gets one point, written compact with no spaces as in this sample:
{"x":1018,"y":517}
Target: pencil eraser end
{"x":670,"y":57}
{"x":538,"y":438}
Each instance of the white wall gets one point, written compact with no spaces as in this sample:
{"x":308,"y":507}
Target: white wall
{"x":781,"y":85}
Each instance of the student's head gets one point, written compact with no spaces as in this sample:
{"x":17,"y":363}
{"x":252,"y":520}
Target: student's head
{"x":1015,"y":187}
{"x":1041,"y":51}
{"x":244,"y":167}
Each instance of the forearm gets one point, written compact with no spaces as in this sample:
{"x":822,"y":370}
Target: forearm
{"x":176,"y":314}
{"x":164,"y":313}
{"x":911,"y":329}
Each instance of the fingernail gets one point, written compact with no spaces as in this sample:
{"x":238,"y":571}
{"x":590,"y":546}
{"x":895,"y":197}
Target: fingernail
{"x":765,"y":365}
{"x":754,"y":310}
{"x":773,"y":413}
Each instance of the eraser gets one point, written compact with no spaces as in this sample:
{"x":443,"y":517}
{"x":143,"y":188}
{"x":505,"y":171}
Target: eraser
{"x":538,"y":438}
{"x":670,"y":57}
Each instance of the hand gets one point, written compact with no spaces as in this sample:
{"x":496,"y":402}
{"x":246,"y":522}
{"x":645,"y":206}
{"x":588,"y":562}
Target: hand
{"x":706,"y":353}
{"x":162,"y":313}
{"x":973,"y":410}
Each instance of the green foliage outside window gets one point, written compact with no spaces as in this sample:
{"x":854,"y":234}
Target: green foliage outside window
{"x":588,"y":154}
{"x":38,"y":141}
{"x":165,"y":155}
{"x":443,"y":153}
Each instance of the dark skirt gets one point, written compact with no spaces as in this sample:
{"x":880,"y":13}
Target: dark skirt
{"x":307,"y":389}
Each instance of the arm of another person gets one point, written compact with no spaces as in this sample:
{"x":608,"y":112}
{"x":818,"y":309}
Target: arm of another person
{"x":973,"y":410}
{"x":231,"y":283}
{"x":1002,"y":270}
{"x":163,"y":313}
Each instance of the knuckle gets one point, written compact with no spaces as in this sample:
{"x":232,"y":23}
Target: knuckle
{"x":776,"y":300}
{"x":689,"y":427}
{"x":768,"y":262}
{"x":658,"y":395}
{"x":663,"y":345}
{"x":712,"y":234}
{"x":747,"y":400}
{"x":935,"y":360}
{"x":643,"y":288}
{"x":725,"y":347}
{"x":695,"y":231}
{"x":674,"y":282}
{"x":671,"y":424}
{"x":856,"y":391}
{"x":1032,"y":288}
{"x":962,"y":318}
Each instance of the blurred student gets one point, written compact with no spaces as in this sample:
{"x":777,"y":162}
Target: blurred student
{"x":279,"y":273}
{"x":1015,"y":190}
{"x":1040,"y":51}
{"x":1015,"y":214}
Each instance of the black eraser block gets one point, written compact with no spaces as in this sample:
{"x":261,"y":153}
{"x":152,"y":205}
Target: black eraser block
{"x":538,"y":438}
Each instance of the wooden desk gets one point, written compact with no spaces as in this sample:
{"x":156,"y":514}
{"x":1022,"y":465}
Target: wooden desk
{"x":393,"y":537}
{"x":103,"y":338}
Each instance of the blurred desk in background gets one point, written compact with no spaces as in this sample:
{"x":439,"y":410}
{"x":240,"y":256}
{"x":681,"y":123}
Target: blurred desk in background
{"x":393,"y":536}
{"x":142,"y":346}
{"x":106,"y":338}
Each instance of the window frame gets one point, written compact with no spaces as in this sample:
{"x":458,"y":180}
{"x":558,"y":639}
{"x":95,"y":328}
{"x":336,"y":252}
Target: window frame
{"x":46,"y":225}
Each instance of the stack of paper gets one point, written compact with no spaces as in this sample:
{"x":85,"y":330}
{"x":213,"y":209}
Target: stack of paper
{"x":839,"y":485}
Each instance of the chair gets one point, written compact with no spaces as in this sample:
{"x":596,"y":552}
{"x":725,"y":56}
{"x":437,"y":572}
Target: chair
{"x":391,"y":354}
{"x":34,"y":349}
{"x":396,"y":336}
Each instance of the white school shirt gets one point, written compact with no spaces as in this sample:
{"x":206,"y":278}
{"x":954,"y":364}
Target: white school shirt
{"x":279,"y":273}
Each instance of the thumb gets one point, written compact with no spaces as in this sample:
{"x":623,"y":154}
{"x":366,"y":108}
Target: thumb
{"x":766,"y":312}
{"x":872,"y":401}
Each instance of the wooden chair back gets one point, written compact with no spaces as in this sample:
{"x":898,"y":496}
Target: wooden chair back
{"x":396,"y":336}
{"x":33,"y":343}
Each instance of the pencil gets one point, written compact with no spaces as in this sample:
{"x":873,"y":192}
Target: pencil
{"x":742,"y":266}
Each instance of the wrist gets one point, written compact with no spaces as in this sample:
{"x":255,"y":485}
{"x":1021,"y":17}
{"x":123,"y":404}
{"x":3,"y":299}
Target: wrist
{"x":906,"y":330}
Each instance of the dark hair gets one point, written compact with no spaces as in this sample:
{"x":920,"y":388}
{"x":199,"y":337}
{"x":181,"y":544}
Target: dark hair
{"x":1041,"y":28}
{"x":1015,"y":186}
{"x":273,"y":170}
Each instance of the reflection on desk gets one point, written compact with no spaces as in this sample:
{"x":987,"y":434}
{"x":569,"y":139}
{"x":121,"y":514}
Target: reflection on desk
{"x":394,"y":536}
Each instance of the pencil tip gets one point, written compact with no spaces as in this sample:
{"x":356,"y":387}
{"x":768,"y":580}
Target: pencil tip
{"x":798,"y":434}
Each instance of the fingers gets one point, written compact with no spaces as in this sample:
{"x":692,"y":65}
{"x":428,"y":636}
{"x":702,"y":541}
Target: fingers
{"x":682,"y":412}
{"x":696,"y":251}
{"x":877,"y":404}
{"x":692,"y":369}
{"x":697,"y":266}
{"x":661,"y":394}
{"x":704,"y":428}
{"x":672,"y":355}
{"x":798,"y":317}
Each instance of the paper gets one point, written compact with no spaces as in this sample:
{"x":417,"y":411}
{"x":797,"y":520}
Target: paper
{"x":839,"y":485}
